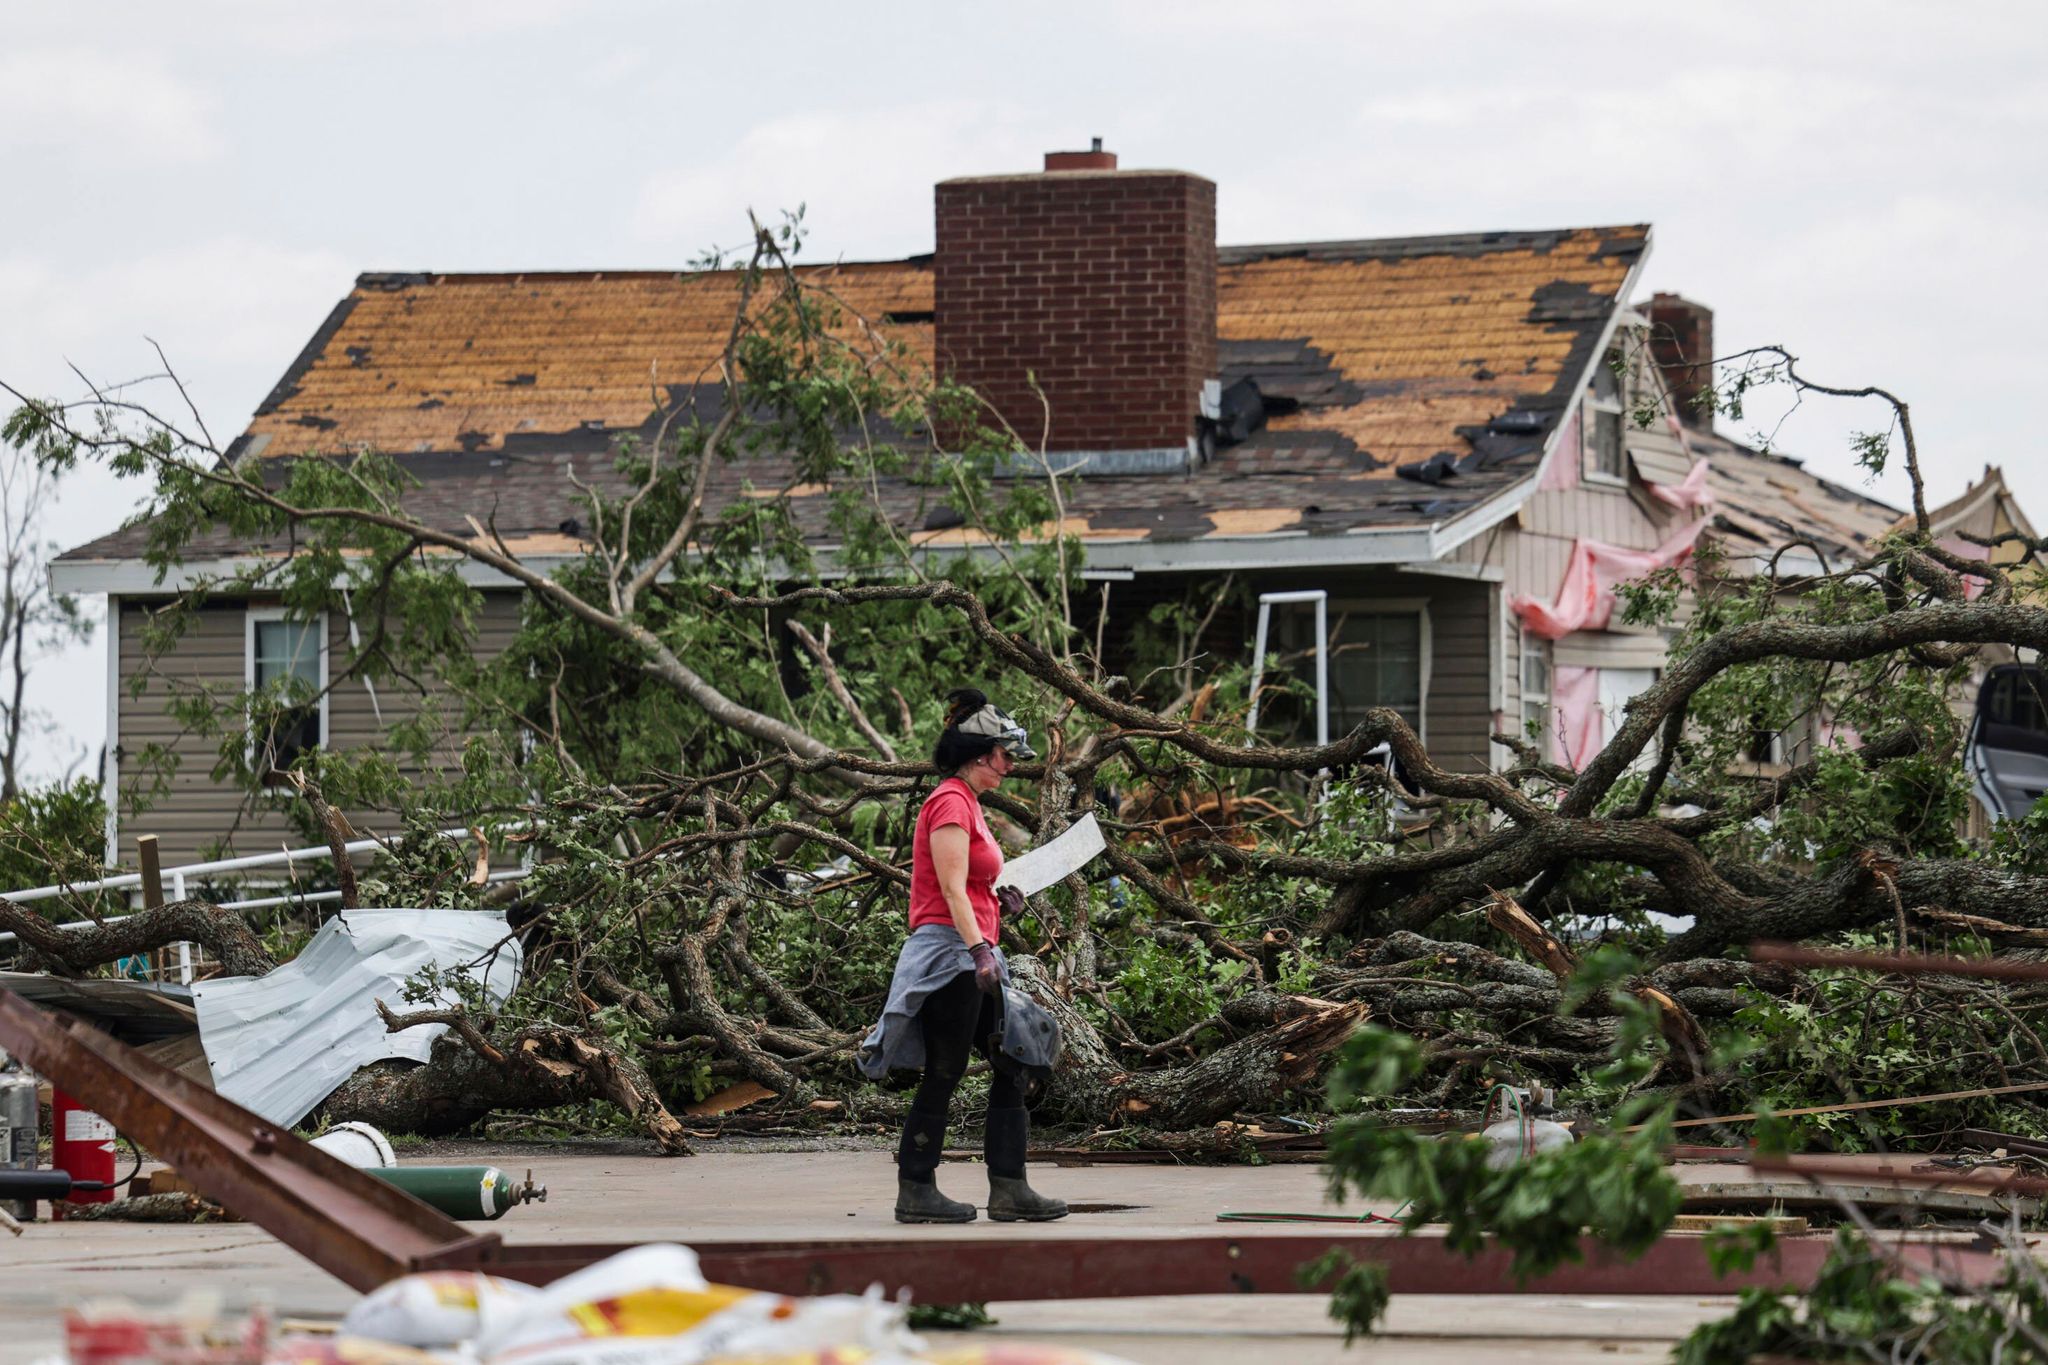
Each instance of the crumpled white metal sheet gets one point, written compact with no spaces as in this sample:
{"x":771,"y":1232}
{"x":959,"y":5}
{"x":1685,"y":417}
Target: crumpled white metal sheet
{"x":280,"y":1043}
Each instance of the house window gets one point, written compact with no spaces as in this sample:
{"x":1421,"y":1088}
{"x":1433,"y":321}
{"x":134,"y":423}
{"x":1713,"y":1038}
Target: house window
{"x":1379,"y":660}
{"x":1535,"y":685}
{"x":1766,"y":743}
{"x":1605,"y":451}
{"x":287,"y":673}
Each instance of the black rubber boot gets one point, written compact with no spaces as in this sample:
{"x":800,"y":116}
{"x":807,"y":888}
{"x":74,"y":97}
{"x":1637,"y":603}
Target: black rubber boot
{"x":917,"y":1160}
{"x":1010,"y":1197}
{"x":919,"y":1201}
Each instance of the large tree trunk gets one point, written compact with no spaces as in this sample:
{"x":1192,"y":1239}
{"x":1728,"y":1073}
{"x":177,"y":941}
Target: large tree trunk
{"x":465,"y":1078}
{"x":1253,"y":1073}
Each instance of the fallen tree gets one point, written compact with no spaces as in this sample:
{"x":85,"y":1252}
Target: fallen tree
{"x":706,"y":742}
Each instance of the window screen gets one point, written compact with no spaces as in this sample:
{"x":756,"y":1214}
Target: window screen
{"x":1605,"y":451}
{"x":1607,"y":447}
{"x":1377,"y":662}
{"x":285,"y":666}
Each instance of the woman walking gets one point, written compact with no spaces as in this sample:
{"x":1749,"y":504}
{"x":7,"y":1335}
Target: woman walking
{"x":950,"y":976}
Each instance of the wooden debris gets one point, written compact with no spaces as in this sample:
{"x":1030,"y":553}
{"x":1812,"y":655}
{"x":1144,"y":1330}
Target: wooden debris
{"x":726,"y":1101}
{"x":152,"y":1208}
{"x":1688,"y":1041}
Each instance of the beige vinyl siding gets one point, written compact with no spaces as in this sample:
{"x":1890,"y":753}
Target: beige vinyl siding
{"x":1457,"y":703}
{"x":1532,"y":550}
{"x":1656,"y":453}
{"x":1461,"y":688}
{"x":1602,"y":512}
{"x":194,"y":815}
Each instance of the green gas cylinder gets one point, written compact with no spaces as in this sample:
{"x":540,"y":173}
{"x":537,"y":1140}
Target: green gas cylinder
{"x":462,"y":1191}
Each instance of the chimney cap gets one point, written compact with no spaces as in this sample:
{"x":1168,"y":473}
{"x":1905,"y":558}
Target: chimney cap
{"x":1094,"y":159}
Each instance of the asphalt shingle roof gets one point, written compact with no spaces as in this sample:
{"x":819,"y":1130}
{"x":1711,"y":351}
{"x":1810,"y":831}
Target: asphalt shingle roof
{"x":490,"y":388}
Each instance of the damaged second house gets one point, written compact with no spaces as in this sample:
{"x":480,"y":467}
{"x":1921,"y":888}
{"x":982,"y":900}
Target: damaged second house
{"x":1437,"y":433}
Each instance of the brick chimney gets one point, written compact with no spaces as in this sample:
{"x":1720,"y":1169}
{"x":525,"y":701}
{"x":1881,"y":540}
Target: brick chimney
{"x":1682,"y":344}
{"x":1099,"y":282}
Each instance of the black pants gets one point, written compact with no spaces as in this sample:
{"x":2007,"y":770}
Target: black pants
{"x":953,"y":1019}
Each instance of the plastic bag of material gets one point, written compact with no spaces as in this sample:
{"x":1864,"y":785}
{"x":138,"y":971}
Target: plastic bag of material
{"x":652,"y":1306}
{"x":435,"y":1308}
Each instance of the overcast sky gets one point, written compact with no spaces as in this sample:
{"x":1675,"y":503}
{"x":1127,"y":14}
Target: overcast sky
{"x":1862,"y":182}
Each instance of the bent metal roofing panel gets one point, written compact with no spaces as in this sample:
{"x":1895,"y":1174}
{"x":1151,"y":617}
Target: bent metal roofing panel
{"x":1460,"y":352}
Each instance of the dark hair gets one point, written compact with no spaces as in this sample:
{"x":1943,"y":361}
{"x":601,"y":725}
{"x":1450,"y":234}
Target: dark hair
{"x":954,"y":750}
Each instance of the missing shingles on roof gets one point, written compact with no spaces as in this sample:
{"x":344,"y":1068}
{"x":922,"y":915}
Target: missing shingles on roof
{"x":523,"y":380}
{"x":1464,"y":244}
{"x":357,"y":355}
{"x":287,"y":387}
{"x":315,"y":421}
{"x":1289,"y":373}
{"x":1568,"y":301}
{"x":1403,"y":401}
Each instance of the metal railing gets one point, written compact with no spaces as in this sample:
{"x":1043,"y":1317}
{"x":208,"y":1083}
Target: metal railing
{"x":179,"y":875}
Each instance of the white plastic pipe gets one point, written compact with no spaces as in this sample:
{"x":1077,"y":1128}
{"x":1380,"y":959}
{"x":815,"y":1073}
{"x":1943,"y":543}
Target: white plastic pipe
{"x":129,"y":880}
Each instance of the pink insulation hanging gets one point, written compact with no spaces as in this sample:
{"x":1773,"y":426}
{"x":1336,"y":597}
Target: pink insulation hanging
{"x":1691,"y":493}
{"x":1576,"y":723}
{"x":1586,"y":601}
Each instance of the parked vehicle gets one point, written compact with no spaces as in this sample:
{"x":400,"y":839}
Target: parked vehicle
{"x":2007,"y":754}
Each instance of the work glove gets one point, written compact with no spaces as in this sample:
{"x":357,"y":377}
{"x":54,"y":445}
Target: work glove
{"x":1010,"y":900}
{"x":987,"y":976}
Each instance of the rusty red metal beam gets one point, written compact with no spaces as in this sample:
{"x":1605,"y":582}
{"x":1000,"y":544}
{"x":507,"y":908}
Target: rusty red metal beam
{"x":357,"y":1228}
{"x":1907,"y":964}
{"x":1009,"y":1269}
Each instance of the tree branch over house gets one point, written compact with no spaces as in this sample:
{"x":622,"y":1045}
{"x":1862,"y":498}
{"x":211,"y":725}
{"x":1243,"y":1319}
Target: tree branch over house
{"x":717,"y":789}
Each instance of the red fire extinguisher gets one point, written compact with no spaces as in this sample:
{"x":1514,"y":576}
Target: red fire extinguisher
{"x":82,"y":1146}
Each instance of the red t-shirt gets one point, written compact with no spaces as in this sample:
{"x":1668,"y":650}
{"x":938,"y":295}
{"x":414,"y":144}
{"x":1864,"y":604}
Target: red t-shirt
{"x":953,"y":803}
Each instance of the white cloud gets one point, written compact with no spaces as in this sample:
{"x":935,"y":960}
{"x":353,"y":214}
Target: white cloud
{"x":205,"y":27}
{"x":111,"y":108}
{"x":860,"y":174}
{"x":230,"y":313}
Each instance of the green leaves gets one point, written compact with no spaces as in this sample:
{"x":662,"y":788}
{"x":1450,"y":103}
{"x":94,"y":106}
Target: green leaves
{"x":1358,"y":1290}
{"x":1862,"y":1307}
{"x":1612,"y":1188}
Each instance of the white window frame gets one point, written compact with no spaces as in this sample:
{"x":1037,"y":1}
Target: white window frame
{"x":1589,"y":427}
{"x":323,"y":698}
{"x":1777,"y":755}
{"x":1536,"y":647}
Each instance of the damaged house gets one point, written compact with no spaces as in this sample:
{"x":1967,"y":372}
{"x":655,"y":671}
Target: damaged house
{"x":1436,"y":433}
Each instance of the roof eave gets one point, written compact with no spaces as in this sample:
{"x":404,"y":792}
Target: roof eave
{"x":1277,"y":550}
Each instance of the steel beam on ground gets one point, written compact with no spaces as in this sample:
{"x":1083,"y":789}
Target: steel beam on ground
{"x":357,"y":1228}
{"x":1011,"y":1269}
